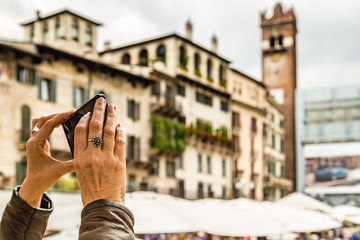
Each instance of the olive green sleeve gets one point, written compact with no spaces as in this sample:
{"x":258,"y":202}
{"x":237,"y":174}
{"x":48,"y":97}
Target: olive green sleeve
{"x":22,"y":221}
{"x":105,"y":219}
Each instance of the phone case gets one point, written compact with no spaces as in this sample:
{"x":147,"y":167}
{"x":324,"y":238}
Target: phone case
{"x":70,"y":123}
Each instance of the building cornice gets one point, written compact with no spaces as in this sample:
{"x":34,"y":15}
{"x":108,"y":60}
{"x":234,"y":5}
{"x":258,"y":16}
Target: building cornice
{"x":172,"y":35}
{"x":261,"y":111}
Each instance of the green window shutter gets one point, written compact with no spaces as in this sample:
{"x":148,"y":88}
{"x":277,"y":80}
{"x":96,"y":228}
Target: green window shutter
{"x":53,"y":90}
{"x":129,"y":108}
{"x":86,"y":94}
{"x":32,"y":76}
{"x":137,"y":111}
{"x":39,"y":80}
{"x":17,"y":73}
{"x":138,"y":148}
{"x":74,"y":96}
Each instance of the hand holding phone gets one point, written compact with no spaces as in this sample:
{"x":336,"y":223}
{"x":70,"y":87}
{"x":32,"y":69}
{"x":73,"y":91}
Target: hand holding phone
{"x":70,"y":123}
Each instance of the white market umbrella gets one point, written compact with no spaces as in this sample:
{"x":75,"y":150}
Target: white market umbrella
{"x":155,"y":213}
{"x":347,"y":213}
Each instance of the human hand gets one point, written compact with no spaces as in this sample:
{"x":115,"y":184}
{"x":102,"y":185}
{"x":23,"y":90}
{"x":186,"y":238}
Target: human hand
{"x":101,"y":170}
{"x":42,"y":169}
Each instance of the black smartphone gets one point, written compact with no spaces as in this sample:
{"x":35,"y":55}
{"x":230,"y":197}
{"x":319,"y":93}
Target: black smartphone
{"x":70,"y":123}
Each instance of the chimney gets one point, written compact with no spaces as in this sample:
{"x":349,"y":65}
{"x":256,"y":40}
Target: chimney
{"x":214,"y":43}
{"x":38,"y":14}
{"x":189,"y":30}
{"x":107,"y":45}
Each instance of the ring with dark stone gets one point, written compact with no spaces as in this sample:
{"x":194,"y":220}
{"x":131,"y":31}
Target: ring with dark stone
{"x":97,"y":141}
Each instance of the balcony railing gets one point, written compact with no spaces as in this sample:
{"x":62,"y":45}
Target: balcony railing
{"x":165,"y":106}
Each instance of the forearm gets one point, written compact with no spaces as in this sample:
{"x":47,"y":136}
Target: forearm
{"x":106,"y":219}
{"x":22,"y":221}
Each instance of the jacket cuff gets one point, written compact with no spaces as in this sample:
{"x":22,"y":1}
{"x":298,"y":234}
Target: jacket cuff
{"x":106,"y":202}
{"x":17,"y":203}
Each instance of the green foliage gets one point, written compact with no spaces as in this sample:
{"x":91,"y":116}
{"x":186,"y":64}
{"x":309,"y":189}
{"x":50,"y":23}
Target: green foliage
{"x":67,"y":183}
{"x":183,"y":64}
{"x":223,"y":82}
{"x":143,"y":61}
{"x":197,"y":72}
{"x":168,"y":136}
{"x":210,"y":79}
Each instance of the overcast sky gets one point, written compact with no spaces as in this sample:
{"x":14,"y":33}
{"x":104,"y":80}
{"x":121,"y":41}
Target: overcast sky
{"x":328,"y":31}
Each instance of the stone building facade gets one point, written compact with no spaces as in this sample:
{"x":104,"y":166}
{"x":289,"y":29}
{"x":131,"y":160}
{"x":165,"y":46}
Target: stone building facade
{"x":194,"y":125}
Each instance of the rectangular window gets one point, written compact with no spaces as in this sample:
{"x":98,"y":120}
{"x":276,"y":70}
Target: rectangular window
{"x":224,"y":106}
{"x":281,"y":123}
{"x":47,"y":90}
{"x":155,"y":89}
{"x":154,"y":170}
{"x":170,"y":169}
{"x":235,"y":119}
{"x":133,"y":148}
{"x":273,"y":140}
{"x":253,"y":125}
{"x":282,"y":171}
{"x":199,"y":163}
{"x":224,"y":168}
{"x":181,"y":90}
{"x":81,"y":96}
{"x":208,"y":164}
{"x":236,"y":143}
{"x":133,"y":110}
{"x":224,"y":192}
{"x":181,"y":162}
{"x":25,"y":75}
{"x":203,"y":98}
{"x":182,"y":120}
{"x":282,"y":145}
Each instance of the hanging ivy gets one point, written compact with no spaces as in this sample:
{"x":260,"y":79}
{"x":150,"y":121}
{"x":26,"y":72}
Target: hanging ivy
{"x":168,"y":136}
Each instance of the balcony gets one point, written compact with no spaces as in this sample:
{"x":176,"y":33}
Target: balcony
{"x":164,"y":106}
{"x":280,"y":182}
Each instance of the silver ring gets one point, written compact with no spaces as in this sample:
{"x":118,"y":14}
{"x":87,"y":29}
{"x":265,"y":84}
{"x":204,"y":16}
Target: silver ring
{"x":35,"y":129}
{"x":97,"y":141}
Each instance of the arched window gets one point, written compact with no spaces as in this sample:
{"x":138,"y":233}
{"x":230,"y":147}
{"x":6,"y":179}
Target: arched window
{"x":209,"y":68}
{"x":197,"y":65}
{"x":182,"y":58}
{"x":143,"y":58}
{"x":161,"y":53}
{"x":272,"y":42}
{"x":46,"y":33}
{"x":126,"y":59}
{"x":222,"y":79}
{"x":58,"y":28}
{"x":75,"y":30}
{"x":25,"y":123}
{"x":88,"y":36}
{"x":280,"y":40}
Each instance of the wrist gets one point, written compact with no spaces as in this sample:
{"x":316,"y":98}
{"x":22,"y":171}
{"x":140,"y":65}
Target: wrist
{"x":30,"y":193}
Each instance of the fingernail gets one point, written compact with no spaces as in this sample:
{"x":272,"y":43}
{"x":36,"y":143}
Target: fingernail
{"x":111,"y":107}
{"x":115,"y":107}
{"x":87,"y":115}
{"x":120,"y":128}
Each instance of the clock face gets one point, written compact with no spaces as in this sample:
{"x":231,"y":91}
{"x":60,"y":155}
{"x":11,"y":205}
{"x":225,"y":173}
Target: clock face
{"x":274,"y":66}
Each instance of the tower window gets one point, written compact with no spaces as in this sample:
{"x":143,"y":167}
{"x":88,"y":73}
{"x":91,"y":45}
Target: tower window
{"x":125,"y":59}
{"x":143,"y":58}
{"x":280,"y":40}
{"x":58,"y":28}
{"x":197,"y":65}
{"x":272,"y":42}
{"x":209,"y":69}
{"x":161,"y":53}
{"x":75,"y":30}
{"x":88,"y":36}
{"x":46,"y":33}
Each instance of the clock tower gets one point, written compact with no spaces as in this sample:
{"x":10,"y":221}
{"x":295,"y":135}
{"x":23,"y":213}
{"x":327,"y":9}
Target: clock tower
{"x":279,"y":73}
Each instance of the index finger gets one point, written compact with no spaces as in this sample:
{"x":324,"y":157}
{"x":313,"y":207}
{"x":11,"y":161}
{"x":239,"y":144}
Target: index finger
{"x":50,"y":124}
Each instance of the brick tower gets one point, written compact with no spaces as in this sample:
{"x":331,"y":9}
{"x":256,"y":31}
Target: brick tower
{"x":279,"y":72}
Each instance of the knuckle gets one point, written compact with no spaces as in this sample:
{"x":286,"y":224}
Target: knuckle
{"x":109,"y":131}
{"x":96,"y":125}
{"x":80,"y":128}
